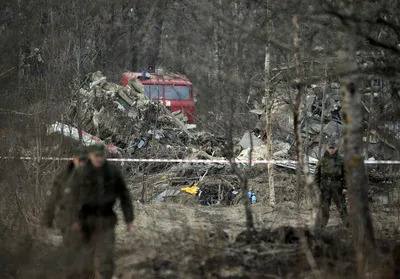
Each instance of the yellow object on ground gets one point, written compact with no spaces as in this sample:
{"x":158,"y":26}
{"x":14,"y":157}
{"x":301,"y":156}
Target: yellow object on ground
{"x":191,"y":190}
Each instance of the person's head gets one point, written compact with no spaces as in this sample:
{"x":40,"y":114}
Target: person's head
{"x":79,"y":156}
{"x":97,"y":154}
{"x":332,"y":148}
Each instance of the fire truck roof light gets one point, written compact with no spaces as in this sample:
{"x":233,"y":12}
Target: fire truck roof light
{"x":159,"y":71}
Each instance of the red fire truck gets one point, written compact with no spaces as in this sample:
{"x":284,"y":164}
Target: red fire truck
{"x":175,"y":91}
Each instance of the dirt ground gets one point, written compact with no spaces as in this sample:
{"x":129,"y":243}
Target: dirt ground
{"x":177,"y":241}
{"x":207,"y":229}
{"x":173,"y":241}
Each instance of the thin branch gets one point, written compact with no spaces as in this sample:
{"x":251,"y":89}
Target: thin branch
{"x":5,"y":72}
{"x":9,"y":111}
{"x":381,"y":44}
{"x":255,"y":33}
{"x":346,"y":20}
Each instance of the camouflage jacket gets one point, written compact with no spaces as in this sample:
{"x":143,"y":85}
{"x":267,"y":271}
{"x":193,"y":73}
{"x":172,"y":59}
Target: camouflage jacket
{"x":57,"y":195}
{"x":330,"y":168}
{"x":95,"y":191}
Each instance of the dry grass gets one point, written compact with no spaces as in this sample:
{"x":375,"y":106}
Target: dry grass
{"x":174,"y":241}
{"x":187,"y":240}
{"x":177,"y":241}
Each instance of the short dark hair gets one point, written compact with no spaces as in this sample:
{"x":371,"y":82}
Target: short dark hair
{"x":98,"y":149}
{"x":80,"y":152}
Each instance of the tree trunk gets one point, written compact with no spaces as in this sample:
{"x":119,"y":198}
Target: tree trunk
{"x":268,"y":112}
{"x":157,"y":47}
{"x":244,"y":179}
{"x":321,"y":134}
{"x":360,"y":216}
{"x":368,"y":138}
{"x":245,"y":189}
{"x":313,"y":191}
{"x":78,"y":46}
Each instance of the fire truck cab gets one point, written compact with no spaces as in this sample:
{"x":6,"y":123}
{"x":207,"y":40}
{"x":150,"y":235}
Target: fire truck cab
{"x":175,"y":91}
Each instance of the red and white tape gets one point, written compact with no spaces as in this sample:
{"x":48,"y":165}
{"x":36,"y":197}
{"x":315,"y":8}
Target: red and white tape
{"x":217,"y":161}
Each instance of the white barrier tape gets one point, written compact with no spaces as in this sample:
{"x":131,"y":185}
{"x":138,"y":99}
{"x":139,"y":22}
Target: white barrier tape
{"x":220,"y":161}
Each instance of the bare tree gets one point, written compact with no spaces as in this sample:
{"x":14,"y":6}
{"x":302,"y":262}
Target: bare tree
{"x":321,"y":134}
{"x":269,"y":101}
{"x":363,"y":233}
{"x":312,"y":189}
{"x":244,"y":179}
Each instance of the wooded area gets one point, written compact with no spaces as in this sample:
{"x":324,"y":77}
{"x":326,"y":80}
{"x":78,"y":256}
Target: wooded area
{"x":294,"y":74}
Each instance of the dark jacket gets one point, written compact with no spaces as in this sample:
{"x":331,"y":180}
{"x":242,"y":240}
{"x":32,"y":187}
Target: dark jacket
{"x":57,"y":195}
{"x":94,"y":193}
{"x":330,"y":167}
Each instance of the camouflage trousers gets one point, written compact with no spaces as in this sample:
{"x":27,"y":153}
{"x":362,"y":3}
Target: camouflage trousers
{"x":332,"y":190}
{"x":90,"y":258}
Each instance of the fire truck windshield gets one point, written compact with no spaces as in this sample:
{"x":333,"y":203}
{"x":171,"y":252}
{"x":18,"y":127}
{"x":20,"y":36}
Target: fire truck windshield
{"x":153,"y":91}
{"x":172,"y":92}
{"x":177,"y":92}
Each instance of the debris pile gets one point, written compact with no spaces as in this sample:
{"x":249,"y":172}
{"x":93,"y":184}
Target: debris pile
{"x":114,"y":113}
{"x":121,"y":116}
{"x":207,"y":146}
{"x":133,"y":126}
{"x":219,"y":191}
{"x":320,"y":113}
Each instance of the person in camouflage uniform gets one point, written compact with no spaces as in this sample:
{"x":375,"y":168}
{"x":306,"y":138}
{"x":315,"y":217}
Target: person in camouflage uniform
{"x":95,"y":189}
{"x":57,"y":203}
{"x":330,"y":177}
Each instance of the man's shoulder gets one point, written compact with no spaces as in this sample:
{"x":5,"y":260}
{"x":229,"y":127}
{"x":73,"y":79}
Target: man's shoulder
{"x":323,"y":159}
{"x":113,"y":169}
{"x":64,"y":171}
{"x":82,"y":170}
{"x":341,"y":157}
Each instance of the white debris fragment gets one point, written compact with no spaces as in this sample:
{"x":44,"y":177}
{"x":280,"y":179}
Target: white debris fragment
{"x":72,"y":132}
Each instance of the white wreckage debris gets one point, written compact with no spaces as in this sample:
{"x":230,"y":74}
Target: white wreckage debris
{"x":280,"y":151}
{"x":261,"y":153}
{"x":245,"y":141}
{"x":73,"y":133}
{"x":162,"y":197}
{"x":122,"y":115}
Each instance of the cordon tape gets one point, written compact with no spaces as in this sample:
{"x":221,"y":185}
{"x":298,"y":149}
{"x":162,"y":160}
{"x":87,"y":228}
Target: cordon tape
{"x":219,"y":161}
